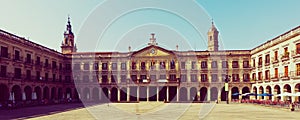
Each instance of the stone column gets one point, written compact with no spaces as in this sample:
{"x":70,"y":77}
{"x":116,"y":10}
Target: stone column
{"x":138,"y":93}
{"x":119,"y":95}
{"x":293,"y":91}
{"x":128,"y":94}
{"x":240,"y":96}
{"x":188,"y":94}
{"x":208,"y":94}
{"x":157,"y":93}
{"x":229,"y":95}
{"x":167,"y":94}
{"x":177,"y":95}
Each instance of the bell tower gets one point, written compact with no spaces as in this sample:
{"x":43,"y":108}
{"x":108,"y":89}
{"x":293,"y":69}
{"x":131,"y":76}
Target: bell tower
{"x":213,"y":37}
{"x":67,"y":45}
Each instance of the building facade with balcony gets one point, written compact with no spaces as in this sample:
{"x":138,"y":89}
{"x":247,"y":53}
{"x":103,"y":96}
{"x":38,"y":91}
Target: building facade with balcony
{"x":276,"y":66}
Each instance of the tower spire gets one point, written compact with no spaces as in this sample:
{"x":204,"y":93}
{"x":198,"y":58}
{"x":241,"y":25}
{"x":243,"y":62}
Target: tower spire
{"x":68,"y":42}
{"x":213,"y":36}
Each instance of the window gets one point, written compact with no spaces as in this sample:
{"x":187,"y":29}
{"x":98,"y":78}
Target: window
{"x":245,"y":64}
{"x":96,"y":66}
{"x":38,"y":75}
{"x":113,"y":78}
{"x":17,"y":55}
{"x":104,"y":79}
{"x":298,"y":48}
{"x":214,"y":64}
{"x":172,"y":77}
{"x":276,"y":55}
{"x":259,"y":61}
{"x":38,"y":60}
{"x":253,"y":62}
{"x":28,"y":58}
{"x":253,"y":76}
{"x":162,"y":76}
{"x":76,"y":66}
{"x":162,"y":65}
{"x":133,"y":78}
{"x":28,"y":74}
{"x":4,"y":52}
{"x":123,"y":66}
{"x":235,"y":64}
{"x":86,"y":66}
{"x":54,"y":65}
{"x":60,"y":78}
{"x":68,"y":66}
{"x":298,"y":69}
{"x":133,"y":65}
{"x":182,"y":78}
{"x":203,"y":77}
{"x":114,"y":66}
{"x":214,"y":77}
{"x":260,"y":76}
{"x":46,"y":76}
{"x":286,"y":71}
{"x":60,"y":66}
{"x":203,"y":64}
{"x":104,"y":66}
{"x":223,"y":77}
{"x":3,"y":71}
{"x":193,"y":78}
{"x":153,"y":77}
{"x":53,"y":77}
{"x":67,"y":79}
{"x":246,"y":77}
{"x":182,"y":65}
{"x":46,"y":63}
{"x":267,"y":59}
{"x":152,"y":65}
{"x":286,"y":53}
{"x":18,"y":73}
{"x":267,"y":74}
{"x":172,"y":64}
{"x":224,"y":64}
{"x":143,"y":65}
{"x":123,"y":79}
{"x":193,"y":65}
{"x":276,"y":72}
{"x":235,"y":78}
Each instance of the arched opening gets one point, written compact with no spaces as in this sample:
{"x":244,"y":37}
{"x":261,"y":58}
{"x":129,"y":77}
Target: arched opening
{"x":152,"y":93}
{"x":114,"y":94}
{"x":213,"y":94}
{"x":183,"y":94}
{"x":86,"y":94}
{"x":76,"y":95}
{"x":38,"y":92}
{"x":142,"y":93}
{"x":133,"y":93}
{"x":277,"y":91}
{"x":28,"y":93}
{"x":203,"y":94}
{"x":4,"y":93}
{"x":163,"y":93}
{"x":297,"y":89}
{"x":193,"y":94}
{"x":235,"y":93}
{"x":287,"y":88}
{"x":245,"y":90}
{"x":104,"y":95}
{"x":172,"y":93}
{"x":95,"y":95}
{"x":60,"y":93}
{"x":69,"y":93}
{"x":255,"y":91}
{"x":123,"y":94}
{"x":261,"y":91}
{"x":16,"y":91}
{"x":268,"y":90}
{"x":46,"y":93}
{"x":53,"y":93}
{"x":223,"y":94}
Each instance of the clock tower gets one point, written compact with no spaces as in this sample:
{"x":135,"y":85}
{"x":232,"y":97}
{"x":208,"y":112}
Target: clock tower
{"x":68,"y":46}
{"x":213,"y":36}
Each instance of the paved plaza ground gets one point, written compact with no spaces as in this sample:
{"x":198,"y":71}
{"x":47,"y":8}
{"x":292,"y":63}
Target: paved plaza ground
{"x":152,"y":111}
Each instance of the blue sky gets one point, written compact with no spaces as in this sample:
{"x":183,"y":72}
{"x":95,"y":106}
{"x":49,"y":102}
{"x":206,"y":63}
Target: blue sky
{"x":242,"y":24}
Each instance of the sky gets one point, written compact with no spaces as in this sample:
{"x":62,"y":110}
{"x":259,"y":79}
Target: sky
{"x":114,"y":25}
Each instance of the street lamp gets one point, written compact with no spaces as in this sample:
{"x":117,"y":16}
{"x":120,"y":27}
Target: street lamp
{"x":227,"y":79}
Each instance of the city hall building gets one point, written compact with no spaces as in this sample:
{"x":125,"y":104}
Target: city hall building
{"x":32,"y":72}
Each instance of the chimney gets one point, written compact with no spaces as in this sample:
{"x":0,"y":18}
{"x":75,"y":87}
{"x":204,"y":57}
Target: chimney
{"x":176,"y":47}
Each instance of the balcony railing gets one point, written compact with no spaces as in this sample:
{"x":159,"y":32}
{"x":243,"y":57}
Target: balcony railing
{"x":284,"y":76}
{"x":285,"y":56}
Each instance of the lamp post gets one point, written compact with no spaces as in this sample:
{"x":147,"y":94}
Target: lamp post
{"x":227,"y":79}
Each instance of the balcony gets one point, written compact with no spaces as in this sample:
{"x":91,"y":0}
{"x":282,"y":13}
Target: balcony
{"x":285,"y":56}
{"x":274,"y":78}
{"x":295,"y":74}
{"x":295,"y":54}
{"x":5,"y":56}
{"x":284,"y":77}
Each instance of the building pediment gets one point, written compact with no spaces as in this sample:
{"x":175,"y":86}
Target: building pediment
{"x":152,"y":51}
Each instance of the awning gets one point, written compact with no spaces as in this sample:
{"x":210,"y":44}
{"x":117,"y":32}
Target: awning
{"x":265,"y":94}
{"x":249,"y":94}
{"x":162,"y":80}
{"x":235,"y":94}
{"x":285,"y":94}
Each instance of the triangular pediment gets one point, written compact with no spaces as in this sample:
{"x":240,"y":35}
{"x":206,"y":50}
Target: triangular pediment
{"x":152,"y":51}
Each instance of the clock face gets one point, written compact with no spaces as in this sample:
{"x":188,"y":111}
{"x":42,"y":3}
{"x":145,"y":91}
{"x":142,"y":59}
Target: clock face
{"x":153,"y":51}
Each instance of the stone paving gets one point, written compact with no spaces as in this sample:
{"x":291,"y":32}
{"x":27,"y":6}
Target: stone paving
{"x":153,"y":111}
